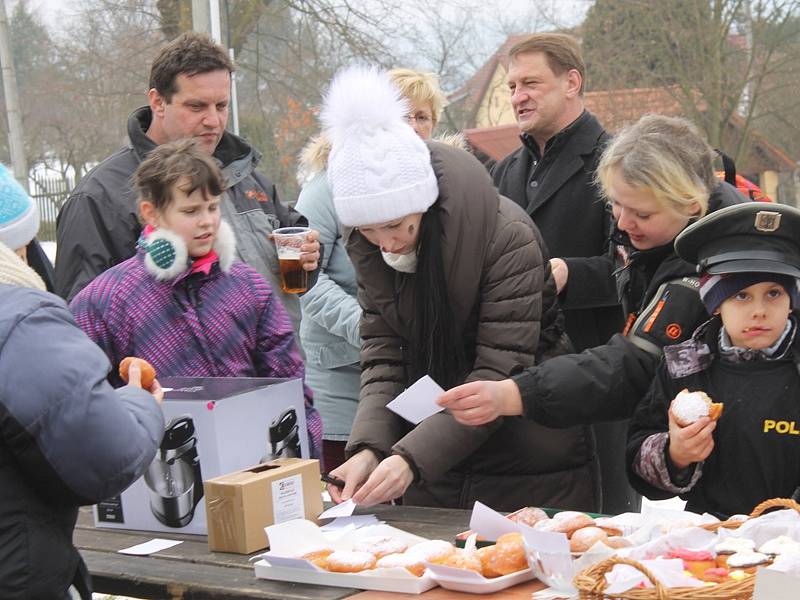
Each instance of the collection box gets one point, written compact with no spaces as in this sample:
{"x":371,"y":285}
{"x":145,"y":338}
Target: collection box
{"x":214,"y":425}
{"x":240,"y":505}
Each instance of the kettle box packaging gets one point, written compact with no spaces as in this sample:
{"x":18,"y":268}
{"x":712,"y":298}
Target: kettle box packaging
{"x":214,"y":425}
{"x":240,"y":505}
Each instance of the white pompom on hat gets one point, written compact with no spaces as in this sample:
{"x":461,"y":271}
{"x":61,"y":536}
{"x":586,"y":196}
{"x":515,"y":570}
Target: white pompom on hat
{"x":379,"y":169}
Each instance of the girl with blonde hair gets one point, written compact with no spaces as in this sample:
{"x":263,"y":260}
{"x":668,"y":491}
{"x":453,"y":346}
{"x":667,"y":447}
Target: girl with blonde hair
{"x":657,"y":177}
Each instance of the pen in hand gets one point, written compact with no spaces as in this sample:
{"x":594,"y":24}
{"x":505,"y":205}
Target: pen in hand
{"x":332,"y":480}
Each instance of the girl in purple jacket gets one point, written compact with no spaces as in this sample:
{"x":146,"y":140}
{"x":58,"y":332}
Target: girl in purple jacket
{"x":182,"y":302}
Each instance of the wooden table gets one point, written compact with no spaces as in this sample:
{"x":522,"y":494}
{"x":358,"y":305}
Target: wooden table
{"x":190,"y":571}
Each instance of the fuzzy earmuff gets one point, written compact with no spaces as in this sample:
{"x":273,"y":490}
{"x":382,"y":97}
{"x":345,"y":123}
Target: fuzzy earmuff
{"x":225,"y":246}
{"x":166,"y":255}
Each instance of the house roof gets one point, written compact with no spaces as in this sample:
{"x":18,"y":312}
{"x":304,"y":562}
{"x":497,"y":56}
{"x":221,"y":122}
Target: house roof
{"x":473,"y":91}
{"x":495,"y":142}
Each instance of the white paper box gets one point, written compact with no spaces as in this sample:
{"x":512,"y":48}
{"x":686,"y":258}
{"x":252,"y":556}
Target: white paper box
{"x":295,"y":538}
{"x":234,"y":421}
{"x":774,"y":585}
{"x":464,"y":580}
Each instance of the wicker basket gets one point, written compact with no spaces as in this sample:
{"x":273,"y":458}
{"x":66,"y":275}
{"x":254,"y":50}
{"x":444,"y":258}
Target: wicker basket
{"x":591,"y":582}
{"x":756,"y":512}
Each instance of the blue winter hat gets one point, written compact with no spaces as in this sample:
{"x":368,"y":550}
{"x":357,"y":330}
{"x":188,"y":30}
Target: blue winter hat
{"x":19,"y":217}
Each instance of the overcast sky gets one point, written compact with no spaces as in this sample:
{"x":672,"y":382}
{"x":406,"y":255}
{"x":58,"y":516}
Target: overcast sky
{"x":568,"y":12}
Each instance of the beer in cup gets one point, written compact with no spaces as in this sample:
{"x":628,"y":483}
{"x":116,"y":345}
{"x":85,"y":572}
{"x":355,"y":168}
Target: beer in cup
{"x":288,"y":240}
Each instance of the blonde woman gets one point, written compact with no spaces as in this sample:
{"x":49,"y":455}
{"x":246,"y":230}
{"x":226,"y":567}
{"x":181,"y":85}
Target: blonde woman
{"x":657,"y":176}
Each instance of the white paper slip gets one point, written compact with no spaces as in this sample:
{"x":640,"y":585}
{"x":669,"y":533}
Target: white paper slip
{"x":356,"y":521}
{"x":345,"y":509}
{"x":418,"y":402}
{"x":154,"y":545}
{"x":489,"y":523}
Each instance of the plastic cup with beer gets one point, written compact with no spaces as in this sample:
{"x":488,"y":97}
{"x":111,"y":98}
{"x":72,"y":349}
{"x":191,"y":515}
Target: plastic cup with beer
{"x":288,"y":240}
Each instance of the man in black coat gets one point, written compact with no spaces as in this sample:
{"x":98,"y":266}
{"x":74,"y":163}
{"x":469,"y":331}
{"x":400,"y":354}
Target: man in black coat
{"x":551,"y":176}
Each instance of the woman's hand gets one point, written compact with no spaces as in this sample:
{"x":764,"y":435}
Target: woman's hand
{"x":482,"y":402}
{"x":690,"y":444}
{"x":309,"y":257}
{"x":354,"y":473}
{"x":388,"y":481}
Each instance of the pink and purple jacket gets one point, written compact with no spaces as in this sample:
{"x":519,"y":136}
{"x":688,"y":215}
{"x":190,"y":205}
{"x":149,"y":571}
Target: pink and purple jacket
{"x":215,"y":324}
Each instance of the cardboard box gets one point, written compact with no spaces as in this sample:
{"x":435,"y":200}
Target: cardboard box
{"x":215,"y":425}
{"x":240,"y":505}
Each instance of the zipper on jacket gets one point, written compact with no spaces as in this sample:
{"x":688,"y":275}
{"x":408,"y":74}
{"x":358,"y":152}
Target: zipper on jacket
{"x":194,"y":298}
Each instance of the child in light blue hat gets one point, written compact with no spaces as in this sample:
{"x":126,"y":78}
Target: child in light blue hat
{"x":19,"y":217}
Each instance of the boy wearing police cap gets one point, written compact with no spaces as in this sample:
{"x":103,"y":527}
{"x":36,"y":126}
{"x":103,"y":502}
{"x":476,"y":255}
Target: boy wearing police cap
{"x":745,"y":356}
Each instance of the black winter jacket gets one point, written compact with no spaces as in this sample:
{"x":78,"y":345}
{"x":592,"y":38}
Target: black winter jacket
{"x":98,"y":226}
{"x":605,"y":383}
{"x":558,"y":193}
{"x":756,"y":453}
{"x":66,"y":439}
{"x":498,"y":286}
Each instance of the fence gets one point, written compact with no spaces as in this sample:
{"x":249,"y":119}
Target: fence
{"x":49,"y":193}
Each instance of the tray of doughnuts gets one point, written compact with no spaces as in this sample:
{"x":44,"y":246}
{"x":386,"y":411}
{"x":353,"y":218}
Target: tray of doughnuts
{"x":378,"y":557}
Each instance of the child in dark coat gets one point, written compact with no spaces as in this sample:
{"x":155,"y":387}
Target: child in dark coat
{"x":745,"y":357}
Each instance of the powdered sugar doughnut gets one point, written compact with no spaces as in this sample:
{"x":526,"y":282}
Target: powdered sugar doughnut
{"x":747,"y":560}
{"x":503,"y":558}
{"x":688,"y":407}
{"x":584,"y":538}
{"x":435,"y":551}
{"x":343,"y":561}
{"x":569,"y":521}
{"x":318,"y":557}
{"x":464,"y":560}
{"x":529,"y":516}
{"x":413,"y":564}
{"x":731,"y":545}
{"x":780,"y":545}
{"x":380,"y":545}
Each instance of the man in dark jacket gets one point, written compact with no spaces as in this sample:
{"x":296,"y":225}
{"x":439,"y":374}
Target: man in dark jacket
{"x":190,"y":91}
{"x":66,"y":438}
{"x":551,"y":177}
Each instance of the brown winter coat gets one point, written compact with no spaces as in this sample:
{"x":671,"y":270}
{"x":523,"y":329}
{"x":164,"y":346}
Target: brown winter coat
{"x":494,"y":268}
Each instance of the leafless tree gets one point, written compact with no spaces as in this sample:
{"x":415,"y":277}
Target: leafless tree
{"x":720,"y":59}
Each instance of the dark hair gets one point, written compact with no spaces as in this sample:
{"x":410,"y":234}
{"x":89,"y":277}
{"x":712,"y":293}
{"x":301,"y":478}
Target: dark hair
{"x":436,"y":349}
{"x":562,"y":51}
{"x":172,"y":162}
{"x":189,"y":54}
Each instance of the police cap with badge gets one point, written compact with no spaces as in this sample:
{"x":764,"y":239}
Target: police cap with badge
{"x":738,"y":246}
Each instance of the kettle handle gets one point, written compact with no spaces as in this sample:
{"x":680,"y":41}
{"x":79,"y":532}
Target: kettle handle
{"x":179,"y":421}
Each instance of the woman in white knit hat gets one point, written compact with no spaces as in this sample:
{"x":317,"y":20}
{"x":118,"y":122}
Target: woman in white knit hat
{"x":329,"y":328}
{"x":453,"y":284}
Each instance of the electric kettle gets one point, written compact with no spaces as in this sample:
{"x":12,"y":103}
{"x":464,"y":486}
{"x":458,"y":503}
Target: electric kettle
{"x":174,"y":481}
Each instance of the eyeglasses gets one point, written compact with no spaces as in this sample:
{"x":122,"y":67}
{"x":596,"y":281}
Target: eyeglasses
{"x":420,"y":119}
